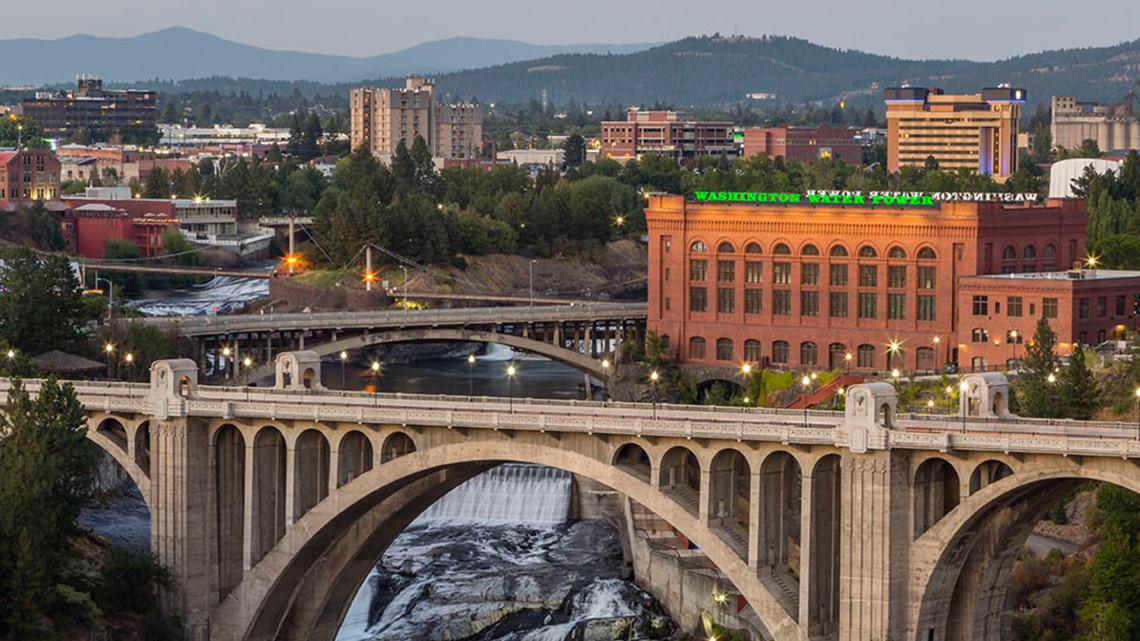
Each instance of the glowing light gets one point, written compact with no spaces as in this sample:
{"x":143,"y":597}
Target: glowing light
{"x":130,"y":358}
{"x":746,"y":369}
{"x":247,"y":361}
{"x":375,"y":366}
{"x":805,"y":381}
{"x":605,"y":363}
{"x":343,"y":355}
{"x":511,"y":371}
{"x":1092,"y":261}
{"x":720,"y":597}
{"x":470,"y":359}
{"x":653,"y":376}
{"x":108,"y":348}
{"x":11,"y":353}
{"x":226,"y":352}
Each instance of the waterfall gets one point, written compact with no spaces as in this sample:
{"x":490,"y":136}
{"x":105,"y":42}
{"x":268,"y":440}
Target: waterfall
{"x":510,"y":493}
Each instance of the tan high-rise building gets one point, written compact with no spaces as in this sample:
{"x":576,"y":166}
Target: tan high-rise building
{"x":971,"y":131}
{"x":1114,"y":127}
{"x":381,"y":118}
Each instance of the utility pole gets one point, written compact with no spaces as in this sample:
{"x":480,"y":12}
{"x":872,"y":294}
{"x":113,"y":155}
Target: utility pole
{"x":291,"y":259}
{"x":368,"y":277}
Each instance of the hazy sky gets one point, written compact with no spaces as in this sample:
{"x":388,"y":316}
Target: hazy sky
{"x":974,"y":29}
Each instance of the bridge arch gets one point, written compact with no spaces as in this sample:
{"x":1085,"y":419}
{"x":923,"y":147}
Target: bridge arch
{"x":270,"y":460}
{"x":634,"y":459}
{"x":354,"y":456}
{"x":581,"y":362}
{"x":335,"y":544}
{"x":936,"y":490}
{"x":396,"y":444}
{"x":228,"y":452}
{"x":681,"y":476}
{"x":120,"y":439}
{"x":311,"y":479}
{"x":964,"y":563}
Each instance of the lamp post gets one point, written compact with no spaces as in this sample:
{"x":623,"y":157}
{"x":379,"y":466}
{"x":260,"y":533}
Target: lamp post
{"x":893,"y":349}
{"x":895,"y":379}
{"x":511,"y":371}
{"x":745,"y":372}
{"x":847,"y":363}
{"x":531,"y":287}
{"x":1013,"y":338}
{"x":470,"y":375}
{"x":247,"y":363}
{"x":937,"y":340}
{"x":806,"y":382}
{"x":110,"y":297}
{"x":375,"y":371}
{"x":226,"y":351}
{"x":964,"y":387}
{"x":130,"y":358}
{"x":109,"y":349}
{"x":653,"y":378}
{"x":1138,"y":413}
{"x":343,"y":359}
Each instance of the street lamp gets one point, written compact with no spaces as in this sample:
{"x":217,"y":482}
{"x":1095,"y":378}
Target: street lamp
{"x":1013,"y":339}
{"x":375,"y":370}
{"x":964,"y":387}
{"x":806,"y":382}
{"x":343,"y":359}
{"x":109,"y":349}
{"x":130,"y":358}
{"x":247,"y":363}
{"x":511,"y":371}
{"x":745,"y":372}
{"x":937,"y":340}
{"x":531,"y":289}
{"x":893,"y":349}
{"x":847,"y":363}
{"x":470,"y":374}
{"x":895,"y":379}
{"x":653,"y":377}
{"x":226,"y":351}
{"x":110,"y":297}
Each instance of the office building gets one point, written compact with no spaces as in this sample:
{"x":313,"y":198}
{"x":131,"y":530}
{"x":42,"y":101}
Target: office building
{"x":63,"y":114}
{"x":779,"y":281}
{"x":805,"y":144}
{"x":974,"y":131}
{"x":668,"y":133}
{"x":1114,"y":127}
{"x":381,"y":118}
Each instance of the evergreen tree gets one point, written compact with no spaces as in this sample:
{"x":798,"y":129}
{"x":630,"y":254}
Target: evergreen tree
{"x":311,"y":138}
{"x":1039,"y":397}
{"x":403,"y":166}
{"x":42,"y":309}
{"x":574,"y":150}
{"x":157,"y":184}
{"x":424,"y":164}
{"x":296,"y":136}
{"x":1079,"y":394}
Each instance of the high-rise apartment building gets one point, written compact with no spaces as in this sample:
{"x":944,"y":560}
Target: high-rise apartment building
{"x":1114,"y":127}
{"x":971,"y":131}
{"x":63,"y":114}
{"x":381,"y":118}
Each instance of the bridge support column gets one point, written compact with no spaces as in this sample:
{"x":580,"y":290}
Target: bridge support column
{"x":181,"y":516}
{"x":874,"y":545}
{"x":706,"y":495}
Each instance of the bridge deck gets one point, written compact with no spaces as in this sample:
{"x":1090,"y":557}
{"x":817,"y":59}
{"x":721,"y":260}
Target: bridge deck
{"x":632,"y":419}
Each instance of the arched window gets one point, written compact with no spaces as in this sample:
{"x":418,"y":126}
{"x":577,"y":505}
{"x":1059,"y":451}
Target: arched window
{"x":725,"y":248}
{"x":926,"y":253}
{"x":979,"y":335}
{"x":865,"y":356}
{"x":1029,"y":253}
{"x":698,"y":247}
{"x":866,"y":251}
{"x":751,"y":351}
{"x":724,"y":349}
{"x":1049,"y":252}
{"x":838,"y":251}
{"x":809,"y":353}
{"x":780,"y":352}
{"x":781,"y":249}
{"x":753,"y":248}
{"x":664,"y":341}
{"x":696,"y":348}
{"x":1009,"y":253}
{"x":810,"y":250}
{"x":896,"y":252}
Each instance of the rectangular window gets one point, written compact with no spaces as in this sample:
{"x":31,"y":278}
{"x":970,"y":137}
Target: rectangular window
{"x":838,"y":305}
{"x":1119,"y":299}
{"x":1102,"y":306}
{"x":1049,"y":307}
{"x":782,"y":302}
{"x":1013,"y":307}
{"x":809,"y":303}
{"x":698,"y":269}
{"x":981,"y":305}
{"x":698,"y":299}
{"x":725,"y":300}
{"x":896,"y":306}
{"x":1082,"y":308}
{"x":753,"y":301}
{"x":809,"y":274}
{"x":868,"y":275}
{"x":666,"y":274}
{"x":782,"y":273}
{"x":838,"y":275}
{"x":926,"y":310}
{"x":896,"y":276}
{"x":927,"y":276}
{"x":1032,"y":309}
{"x":753,"y":271}
{"x":724,"y":350}
{"x":868,"y":306}
{"x":725,"y":271}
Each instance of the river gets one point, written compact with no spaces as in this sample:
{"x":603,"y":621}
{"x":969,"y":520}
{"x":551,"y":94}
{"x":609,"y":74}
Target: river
{"x":494,"y":560}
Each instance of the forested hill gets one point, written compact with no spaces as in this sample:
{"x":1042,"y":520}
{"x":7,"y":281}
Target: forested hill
{"x":716,"y":71}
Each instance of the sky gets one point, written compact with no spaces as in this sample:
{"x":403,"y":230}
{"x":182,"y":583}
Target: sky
{"x":972,"y":29}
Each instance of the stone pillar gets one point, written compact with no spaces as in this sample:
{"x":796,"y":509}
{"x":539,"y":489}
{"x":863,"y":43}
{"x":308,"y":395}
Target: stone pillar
{"x":806,"y":532}
{"x":247,"y":527}
{"x":754,"y":525}
{"x":290,"y":481}
{"x":874,"y":545}
{"x":180,"y":516}
{"x":706,"y":495}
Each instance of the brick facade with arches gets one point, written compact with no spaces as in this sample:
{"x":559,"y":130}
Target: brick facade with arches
{"x":803,"y":286}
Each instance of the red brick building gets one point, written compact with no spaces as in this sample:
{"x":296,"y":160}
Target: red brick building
{"x":28,"y":175}
{"x":668,"y":133}
{"x":1084,"y":307}
{"x":88,"y":227}
{"x":801,"y":285}
{"x":804,"y":144}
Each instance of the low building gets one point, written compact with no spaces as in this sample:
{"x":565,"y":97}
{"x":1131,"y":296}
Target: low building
{"x":221,"y":136}
{"x":668,"y":133}
{"x":804,"y":144}
{"x":1114,"y":127}
{"x":88,"y":227}
{"x":1084,"y":306}
{"x":28,"y":175}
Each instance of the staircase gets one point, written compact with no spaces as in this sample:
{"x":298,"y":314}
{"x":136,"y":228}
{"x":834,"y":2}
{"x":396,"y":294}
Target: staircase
{"x":819,"y":395}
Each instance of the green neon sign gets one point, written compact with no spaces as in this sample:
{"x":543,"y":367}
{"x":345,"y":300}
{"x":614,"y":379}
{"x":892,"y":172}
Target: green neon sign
{"x":814,"y":199}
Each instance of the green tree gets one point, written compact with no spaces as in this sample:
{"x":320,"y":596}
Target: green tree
{"x":573,"y":150}
{"x":157,"y":184}
{"x":424,"y":164}
{"x":403,"y":165}
{"x":1080,"y":396}
{"x":41,"y":310}
{"x":46,"y":474}
{"x":1039,"y":396}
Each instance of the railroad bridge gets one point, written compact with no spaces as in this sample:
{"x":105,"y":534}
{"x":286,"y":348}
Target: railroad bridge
{"x":581,"y":336}
{"x":270,"y":505}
